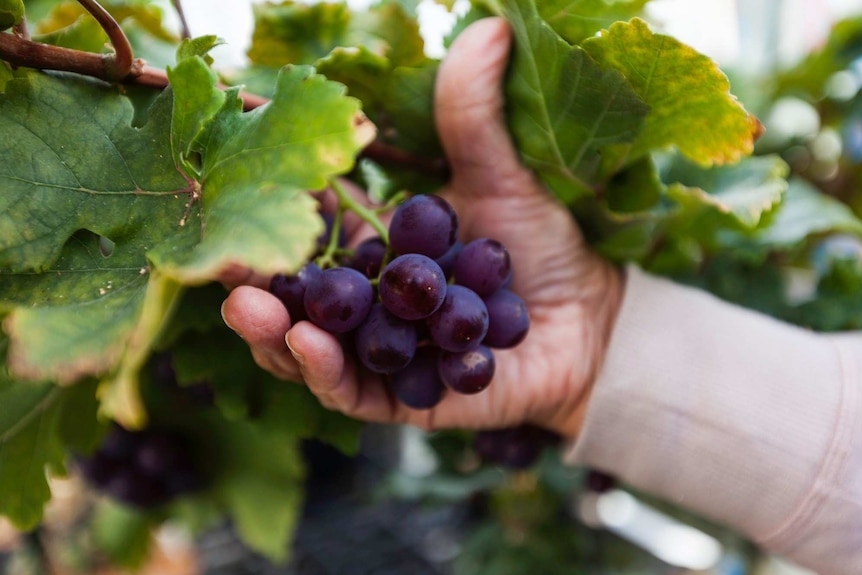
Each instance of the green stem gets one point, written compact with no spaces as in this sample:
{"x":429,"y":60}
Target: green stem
{"x":347,"y":202}
{"x":328,"y":257}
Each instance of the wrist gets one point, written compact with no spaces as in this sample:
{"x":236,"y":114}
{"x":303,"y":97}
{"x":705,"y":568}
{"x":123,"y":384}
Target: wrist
{"x":600,"y":311}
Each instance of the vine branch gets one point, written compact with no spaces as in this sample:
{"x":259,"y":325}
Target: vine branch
{"x":118,"y":64}
{"x":184,"y":24}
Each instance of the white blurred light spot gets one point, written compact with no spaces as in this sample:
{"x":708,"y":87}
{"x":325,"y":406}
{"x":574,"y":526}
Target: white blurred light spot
{"x":843,"y":86}
{"x":666,"y":538}
{"x":827,"y":146}
{"x":793,"y":118}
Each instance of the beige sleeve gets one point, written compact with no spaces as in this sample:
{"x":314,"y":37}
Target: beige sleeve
{"x":751,"y":422}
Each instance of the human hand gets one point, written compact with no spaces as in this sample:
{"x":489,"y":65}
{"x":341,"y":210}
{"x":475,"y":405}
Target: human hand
{"x":572,"y":294}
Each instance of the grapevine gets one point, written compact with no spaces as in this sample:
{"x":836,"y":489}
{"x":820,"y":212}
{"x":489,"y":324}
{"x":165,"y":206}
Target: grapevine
{"x":139,"y":178}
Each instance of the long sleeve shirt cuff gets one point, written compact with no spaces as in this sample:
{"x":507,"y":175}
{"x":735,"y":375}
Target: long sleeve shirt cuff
{"x":751,"y":422}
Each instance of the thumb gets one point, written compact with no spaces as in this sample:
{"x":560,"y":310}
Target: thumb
{"x":469,"y":105}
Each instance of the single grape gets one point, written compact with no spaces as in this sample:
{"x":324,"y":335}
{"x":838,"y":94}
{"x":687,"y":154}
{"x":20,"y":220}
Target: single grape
{"x":461,"y":322}
{"x":120,"y":444}
{"x":468,"y":372}
{"x":338,"y":299}
{"x":513,"y":447}
{"x":98,"y":469}
{"x":483,"y":266}
{"x":447,"y":260}
{"x":385,"y":343}
{"x":412,"y":286}
{"x":424,"y":224}
{"x":418,"y":385}
{"x":137,"y":489}
{"x":290,"y":289}
{"x":159,"y":452}
{"x":368,"y":257}
{"x":508,"y":319}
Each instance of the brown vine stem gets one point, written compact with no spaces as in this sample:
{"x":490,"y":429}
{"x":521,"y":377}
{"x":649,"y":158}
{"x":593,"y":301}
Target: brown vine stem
{"x":184,"y":24}
{"x":120,"y":63}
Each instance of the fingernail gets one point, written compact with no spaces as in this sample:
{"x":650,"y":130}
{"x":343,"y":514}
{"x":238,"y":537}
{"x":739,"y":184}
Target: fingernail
{"x":297,"y":356}
{"x":224,"y":318}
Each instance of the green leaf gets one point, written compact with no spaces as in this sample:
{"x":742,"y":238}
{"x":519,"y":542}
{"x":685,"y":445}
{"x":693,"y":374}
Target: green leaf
{"x":11,"y":13}
{"x":563,"y":107}
{"x":295,"y":33}
{"x":260,"y":485}
{"x":256,"y":170}
{"x":377,"y":184}
{"x":576,"y":20}
{"x":123,"y":534}
{"x":737,"y":196}
{"x":201,"y":46}
{"x":360,"y":70}
{"x":636,"y":189}
{"x":197,"y":99}
{"x":28,"y":444}
{"x":806,"y":211}
{"x":691,"y":105}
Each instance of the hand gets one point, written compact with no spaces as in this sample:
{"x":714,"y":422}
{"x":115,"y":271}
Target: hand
{"x":572,"y":294}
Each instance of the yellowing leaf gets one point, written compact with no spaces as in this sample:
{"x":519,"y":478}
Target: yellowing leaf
{"x":690,"y":100}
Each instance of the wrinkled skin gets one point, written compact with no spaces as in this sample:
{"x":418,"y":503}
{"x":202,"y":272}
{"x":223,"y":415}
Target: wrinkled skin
{"x":572,"y":294}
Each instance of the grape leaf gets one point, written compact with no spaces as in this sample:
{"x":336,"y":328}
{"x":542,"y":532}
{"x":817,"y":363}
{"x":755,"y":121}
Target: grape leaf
{"x":260,"y":484}
{"x":576,"y":20}
{"x":563,"y":107}
{"x":296,"y":33}
{"x":123,"y":534}
{"x":735,"y":196}
{"x":806,"y":211}
{"x":197,"y":99}
{"x":255,"y":172}
{"x":690,"y":103}
{"x":11,"y":13}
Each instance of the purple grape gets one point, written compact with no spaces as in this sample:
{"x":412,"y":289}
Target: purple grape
{"x":98,"y":469}
{"x":447,"y":260}
{"x":483,"y":266}
{"x":513,"y":447}
{"x":137,"y":489}
{"x":418,"y":385}
{"x":120,"y":444}
{"x":424,"y":224}
{"x":159,"y":453}
{"x":508,"y":319}
{"x":412,"y":286}
{"x":291,"y":290}
{"x":385,"y":343}
{"x":368,"y":257}
{"x":338,"y":299}
{"x":461,"y":322}
{"x":469,"y":372}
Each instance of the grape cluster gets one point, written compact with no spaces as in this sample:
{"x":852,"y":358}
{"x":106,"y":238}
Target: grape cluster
{"x":513,"y":447}
{"x":424,"y":311}
{"x":144,"y":468}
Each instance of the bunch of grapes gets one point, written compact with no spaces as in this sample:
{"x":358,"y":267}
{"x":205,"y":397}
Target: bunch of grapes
{"x":424,"y":310}
{"x":144,"y":468}
{"x":513,"y":447}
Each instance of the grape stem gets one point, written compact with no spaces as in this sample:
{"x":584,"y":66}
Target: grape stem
{"x":184,"y":24}
{"x":327,"y":258}
{"x":347,"y":202}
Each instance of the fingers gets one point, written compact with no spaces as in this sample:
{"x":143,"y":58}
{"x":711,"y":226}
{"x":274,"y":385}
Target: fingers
{"x":335,"y":379}
{"x":262,"y":320}
{"x":469,"y":106}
